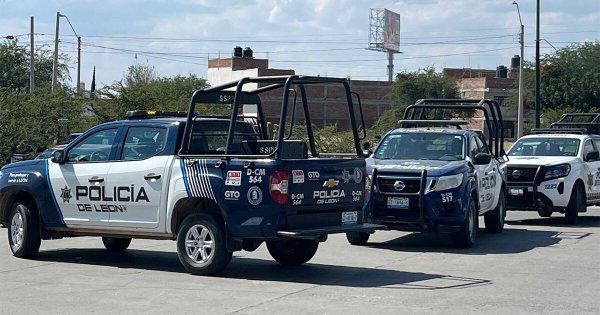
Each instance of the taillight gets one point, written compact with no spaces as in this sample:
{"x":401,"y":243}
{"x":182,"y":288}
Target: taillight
{"x":278,"y":185}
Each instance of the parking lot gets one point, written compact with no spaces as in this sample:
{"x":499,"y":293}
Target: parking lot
{"x":536,"y":266}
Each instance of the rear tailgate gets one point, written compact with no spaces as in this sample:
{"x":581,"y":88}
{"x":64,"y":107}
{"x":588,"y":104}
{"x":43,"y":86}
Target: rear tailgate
{"x":326,"y":183}
{"x":326,"y":196}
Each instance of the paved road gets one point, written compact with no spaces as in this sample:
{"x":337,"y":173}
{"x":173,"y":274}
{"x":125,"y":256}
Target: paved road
{"x":536,"y":266}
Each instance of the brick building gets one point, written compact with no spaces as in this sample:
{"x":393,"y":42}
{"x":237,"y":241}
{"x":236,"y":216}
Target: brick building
{"x":327,"y":103}
{"x":490,"y":84}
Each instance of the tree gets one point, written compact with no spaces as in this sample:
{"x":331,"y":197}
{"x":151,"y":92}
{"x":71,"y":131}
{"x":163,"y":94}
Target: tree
{"x":571,"y":77}
{"x":143,"y":88}
{"x":139,"y":74}
{"x":30,"y":121}
{"x":410,"y":87}
{"x":15,"y":64}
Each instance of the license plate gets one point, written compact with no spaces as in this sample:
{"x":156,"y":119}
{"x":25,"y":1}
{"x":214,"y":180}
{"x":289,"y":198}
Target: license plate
{"x":516,"y":191}
{"x":349,"y":217}
{"x":397,"y":202}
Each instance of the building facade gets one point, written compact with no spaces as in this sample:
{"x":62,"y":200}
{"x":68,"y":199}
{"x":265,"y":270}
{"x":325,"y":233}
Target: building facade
{"x":327,"y":103}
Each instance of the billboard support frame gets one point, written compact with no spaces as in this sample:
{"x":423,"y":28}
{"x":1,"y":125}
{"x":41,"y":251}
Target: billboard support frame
{"x":384,"y":35}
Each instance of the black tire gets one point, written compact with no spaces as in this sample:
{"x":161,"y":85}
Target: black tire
{"x":467,"y":234}
{"x":576,"y":204}
{"x":198,"y":257}
{"x":494,"y":220}
{"x":115,"y":244}
{"x":358,"y":238}
{"x":544,"y":213}
{"x":24,"y":230}
{"x":292,"y":252}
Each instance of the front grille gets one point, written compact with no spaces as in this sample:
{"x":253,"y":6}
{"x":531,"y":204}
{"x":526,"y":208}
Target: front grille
{"x":521,"y":174}
{"x":411,"y":186}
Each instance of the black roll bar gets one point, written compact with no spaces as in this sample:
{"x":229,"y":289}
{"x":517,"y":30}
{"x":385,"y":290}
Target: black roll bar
{"x":490,"y":109}
{"x":221,"y":95}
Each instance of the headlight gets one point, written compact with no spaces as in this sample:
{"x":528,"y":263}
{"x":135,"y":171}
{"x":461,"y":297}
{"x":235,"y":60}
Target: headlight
{"x":448,"y":182}
{"x":368,"y":183}
{"x":557,"y":171}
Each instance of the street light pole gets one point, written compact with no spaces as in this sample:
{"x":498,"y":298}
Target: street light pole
{"x":55,"y":63}
{"x":520,"y":109}
{"x":537,"y":67}
{"x":31,"y":59}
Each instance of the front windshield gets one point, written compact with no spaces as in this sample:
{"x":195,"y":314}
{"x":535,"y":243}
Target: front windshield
{"x":421,"y":146}
{"x":545,"y":147}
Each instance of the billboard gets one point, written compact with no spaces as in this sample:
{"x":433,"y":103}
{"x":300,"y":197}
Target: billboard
{"x":391,"y":31}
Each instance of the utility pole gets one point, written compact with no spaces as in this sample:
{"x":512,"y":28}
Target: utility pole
{"x":520,"y":114}
{"x":78,"y":65}
{"x":537,"y":67}
{"x":31,"y":61}
{"x":55,"y":63}
{"x":520,"y":106}
{"x":390,"y":66}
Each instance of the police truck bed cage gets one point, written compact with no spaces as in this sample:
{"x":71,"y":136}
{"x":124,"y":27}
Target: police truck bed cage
{"x":490,"y":108}
{"x":576,"y":123}
{"x":291,"y":87}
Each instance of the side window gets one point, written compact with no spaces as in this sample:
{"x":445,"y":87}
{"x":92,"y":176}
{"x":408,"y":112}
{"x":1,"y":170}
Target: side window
{"x":587,"y":147}
{"x":473,"y":147}
{"x":143,"y":142}
{"x":96,"y":147}
{"x":596,"y":143}
{"x":481,"y":145}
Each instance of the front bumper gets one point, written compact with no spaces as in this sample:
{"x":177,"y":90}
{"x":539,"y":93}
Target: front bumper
{"x":442,"y":210}
{"x":527,"y":192}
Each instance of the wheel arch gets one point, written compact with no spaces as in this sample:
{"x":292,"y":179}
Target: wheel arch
{"x":190,"y":205}
{"x":9,"y":198}
{"x":579,"y":183}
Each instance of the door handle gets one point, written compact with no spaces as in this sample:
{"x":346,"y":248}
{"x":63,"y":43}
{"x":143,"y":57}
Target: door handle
{"x":96,"y":179}
{"x":151,"y":176}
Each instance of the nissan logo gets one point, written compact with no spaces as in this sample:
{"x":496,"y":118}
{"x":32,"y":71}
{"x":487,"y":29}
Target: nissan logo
{"x":516,"y":174}
{"x":399,"y":185}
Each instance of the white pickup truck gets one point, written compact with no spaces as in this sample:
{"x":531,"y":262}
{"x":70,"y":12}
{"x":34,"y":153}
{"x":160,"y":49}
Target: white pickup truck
{"x":556,"y":169}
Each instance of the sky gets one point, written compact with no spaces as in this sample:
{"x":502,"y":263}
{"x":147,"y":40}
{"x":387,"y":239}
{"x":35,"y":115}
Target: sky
{"x":313,"y":37}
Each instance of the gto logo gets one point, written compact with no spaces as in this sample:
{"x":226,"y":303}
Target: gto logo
{"x":232,"y":195}
{"x":313,"y":175}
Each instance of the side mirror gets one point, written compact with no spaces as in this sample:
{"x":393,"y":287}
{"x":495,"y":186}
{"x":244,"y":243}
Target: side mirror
{"x":592,"y":156}
{"x":482,"y":159}
{"x":58,"y":156}
{"x":366,"y":146}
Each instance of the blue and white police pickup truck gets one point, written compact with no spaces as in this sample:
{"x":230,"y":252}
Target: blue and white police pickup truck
{"x":214,"y":184}
{"x":556,"y":169}
{"x":433,"y":175}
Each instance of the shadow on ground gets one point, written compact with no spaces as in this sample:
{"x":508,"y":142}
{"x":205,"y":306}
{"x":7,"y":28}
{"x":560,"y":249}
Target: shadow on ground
{"x":510,"y":241}
{"x":558,"y":220}
{"x":268,"y":270}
